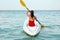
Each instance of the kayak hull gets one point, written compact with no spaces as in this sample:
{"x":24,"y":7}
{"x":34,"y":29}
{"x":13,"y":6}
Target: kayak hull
{"x":31,"y":30}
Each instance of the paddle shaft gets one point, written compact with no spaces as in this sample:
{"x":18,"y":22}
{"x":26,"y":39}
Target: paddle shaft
{"x":27,"y":9}
{"x":38,"y":21}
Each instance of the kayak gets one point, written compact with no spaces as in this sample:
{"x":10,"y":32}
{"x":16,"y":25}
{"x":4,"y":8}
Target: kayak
{"x":32,"y":31}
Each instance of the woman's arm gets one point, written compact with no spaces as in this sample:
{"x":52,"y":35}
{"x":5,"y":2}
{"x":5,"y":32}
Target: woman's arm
{"x":35,"y":17}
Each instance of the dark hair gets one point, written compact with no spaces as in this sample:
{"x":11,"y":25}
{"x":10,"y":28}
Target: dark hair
{"x":32,"y":13}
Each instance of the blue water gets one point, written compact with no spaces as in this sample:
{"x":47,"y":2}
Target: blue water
{"x":11,"y":23}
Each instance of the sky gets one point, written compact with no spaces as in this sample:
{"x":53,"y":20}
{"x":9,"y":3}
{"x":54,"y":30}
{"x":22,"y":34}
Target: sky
{"x":31,"y":4}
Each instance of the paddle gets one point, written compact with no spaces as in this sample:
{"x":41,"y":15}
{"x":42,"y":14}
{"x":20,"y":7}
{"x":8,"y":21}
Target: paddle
{"x":24,"y":5}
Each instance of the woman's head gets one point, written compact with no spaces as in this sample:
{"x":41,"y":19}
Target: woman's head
{"x":32,"y":13}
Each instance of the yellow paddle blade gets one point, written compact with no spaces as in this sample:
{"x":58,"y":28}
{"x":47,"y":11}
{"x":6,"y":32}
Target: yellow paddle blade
{"x":22,"y":3}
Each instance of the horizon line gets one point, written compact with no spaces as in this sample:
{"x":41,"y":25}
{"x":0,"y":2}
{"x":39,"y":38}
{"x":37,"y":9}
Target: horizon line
{"x":25,"y":10}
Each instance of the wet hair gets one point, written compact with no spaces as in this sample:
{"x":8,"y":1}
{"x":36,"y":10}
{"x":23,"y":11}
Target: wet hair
{"x":32,"y":13}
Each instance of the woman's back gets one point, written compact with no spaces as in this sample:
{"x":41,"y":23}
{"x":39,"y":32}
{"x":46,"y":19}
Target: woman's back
{"x":31,"y":21}
{"x":32,"y":18}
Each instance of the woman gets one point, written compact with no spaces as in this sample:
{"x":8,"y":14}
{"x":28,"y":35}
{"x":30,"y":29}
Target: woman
{"x":32,"y":18}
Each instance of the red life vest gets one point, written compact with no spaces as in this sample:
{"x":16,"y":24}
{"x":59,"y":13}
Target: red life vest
{"x":31,"y":23}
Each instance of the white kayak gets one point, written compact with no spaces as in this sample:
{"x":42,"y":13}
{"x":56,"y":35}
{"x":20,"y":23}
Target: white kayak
{"x":31,"y":30}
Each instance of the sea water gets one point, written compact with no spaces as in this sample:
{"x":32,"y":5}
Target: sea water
{"x":11,"y":23}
